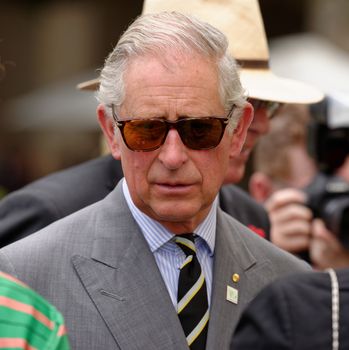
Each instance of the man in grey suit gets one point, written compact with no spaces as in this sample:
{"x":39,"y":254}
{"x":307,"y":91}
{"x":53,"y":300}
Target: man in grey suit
{"x":172,"y":109}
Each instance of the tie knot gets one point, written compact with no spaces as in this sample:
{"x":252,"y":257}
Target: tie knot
{"x":186,"y":243}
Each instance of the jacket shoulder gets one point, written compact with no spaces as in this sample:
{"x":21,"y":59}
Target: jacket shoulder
{"x":36,"y":205}
{"x":259,"y":249}
{"x":241,"y":206}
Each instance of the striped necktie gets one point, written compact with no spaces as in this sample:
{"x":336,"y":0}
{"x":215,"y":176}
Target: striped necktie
{"x":192,"y":306}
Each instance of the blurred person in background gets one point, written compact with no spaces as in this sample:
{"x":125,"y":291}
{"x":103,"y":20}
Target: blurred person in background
{"x":281,"y":161}
{"x":283,"y":170}
{"x":328,"y":194}
{"x":308,"y":310}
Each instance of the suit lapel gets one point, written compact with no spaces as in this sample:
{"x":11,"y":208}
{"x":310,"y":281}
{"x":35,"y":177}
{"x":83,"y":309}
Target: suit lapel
{"x":125,"y":285}
{"x":231,"y":257}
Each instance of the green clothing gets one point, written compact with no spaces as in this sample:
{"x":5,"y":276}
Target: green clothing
{"x":27,"y":320}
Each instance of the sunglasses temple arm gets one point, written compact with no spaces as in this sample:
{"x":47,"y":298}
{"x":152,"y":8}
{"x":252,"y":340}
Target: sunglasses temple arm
{"x":117,"y":123}
{"x":230,"y":113}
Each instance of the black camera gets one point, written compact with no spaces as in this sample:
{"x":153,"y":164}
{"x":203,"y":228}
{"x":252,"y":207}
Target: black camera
{"x":328,"y":195}
{"x":328,"y":137}
{"x":328,"y":198}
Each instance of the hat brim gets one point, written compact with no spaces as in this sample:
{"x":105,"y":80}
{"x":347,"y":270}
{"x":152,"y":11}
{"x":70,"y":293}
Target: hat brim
{"x":263,"y":84}
{"x":89,"y":85}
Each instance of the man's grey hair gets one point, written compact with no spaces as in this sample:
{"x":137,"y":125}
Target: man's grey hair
{"x":157,"y":34}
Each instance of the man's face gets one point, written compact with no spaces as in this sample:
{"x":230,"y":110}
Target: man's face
{"x":258,"y":127}
{"x":173,"y":184}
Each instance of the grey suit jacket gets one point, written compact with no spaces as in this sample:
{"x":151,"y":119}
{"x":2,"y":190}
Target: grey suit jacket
{"x":97,"y":268}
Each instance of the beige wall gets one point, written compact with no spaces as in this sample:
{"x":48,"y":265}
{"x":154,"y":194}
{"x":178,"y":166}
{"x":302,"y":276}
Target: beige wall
{"x":331,"y":19}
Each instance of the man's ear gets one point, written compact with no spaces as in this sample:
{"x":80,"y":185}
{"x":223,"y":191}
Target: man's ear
{"x":240,"y":131}
{"x":260,"y":186}
{"x":108,"y":128}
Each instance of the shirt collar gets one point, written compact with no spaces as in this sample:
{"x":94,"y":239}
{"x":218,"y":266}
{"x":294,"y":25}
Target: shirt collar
{"x":157,"y":235}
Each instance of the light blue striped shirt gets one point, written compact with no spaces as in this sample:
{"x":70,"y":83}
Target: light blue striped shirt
{"x":169,"y":257}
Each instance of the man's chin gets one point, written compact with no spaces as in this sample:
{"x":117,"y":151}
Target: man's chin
{"x":176,"y":215}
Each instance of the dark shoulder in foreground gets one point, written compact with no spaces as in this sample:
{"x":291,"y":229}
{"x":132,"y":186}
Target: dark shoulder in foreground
{"x":240,"y":205}
{"x":55,"y":196}
{"x":295,"y":313}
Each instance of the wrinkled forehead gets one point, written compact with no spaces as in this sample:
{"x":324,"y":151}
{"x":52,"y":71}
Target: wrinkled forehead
{"x":170,"y":70}
{"x":187,"y":85}
{"x":172,"y":58}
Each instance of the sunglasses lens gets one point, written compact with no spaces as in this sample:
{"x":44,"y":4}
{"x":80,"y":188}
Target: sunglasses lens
{"x":144,"y":135}
{"x":270,"y":107}
{"x":201,"y":133}
{"x":196,"y":133}
{"x":273,"y":108}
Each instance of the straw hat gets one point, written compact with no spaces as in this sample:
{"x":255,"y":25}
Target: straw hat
{"x":89,"y":85}
{"x":241,"y":21}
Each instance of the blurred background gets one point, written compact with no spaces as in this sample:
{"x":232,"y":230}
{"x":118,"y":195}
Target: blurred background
{"x":49,"y":46}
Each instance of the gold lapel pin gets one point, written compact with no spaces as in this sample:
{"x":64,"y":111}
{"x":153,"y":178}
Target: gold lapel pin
{"x":235,"y":278}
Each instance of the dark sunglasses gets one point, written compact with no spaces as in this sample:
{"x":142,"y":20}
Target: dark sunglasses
{"x":149,"y":134}
{"x":271,"y":107}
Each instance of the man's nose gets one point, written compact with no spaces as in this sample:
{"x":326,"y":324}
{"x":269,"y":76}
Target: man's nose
{"x":173,"y":153}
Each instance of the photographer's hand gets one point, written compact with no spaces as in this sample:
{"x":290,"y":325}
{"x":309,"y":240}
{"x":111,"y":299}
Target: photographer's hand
{"x":325,"y":250}
{"x":290,"y":220}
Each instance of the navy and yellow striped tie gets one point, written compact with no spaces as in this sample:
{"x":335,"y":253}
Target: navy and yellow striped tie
{"x":192,"y":306}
